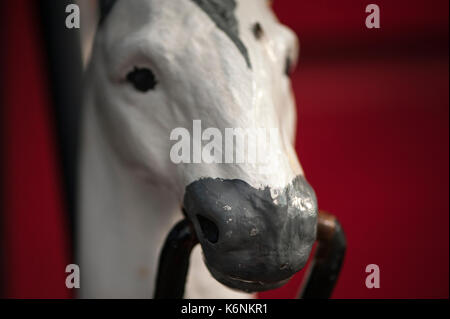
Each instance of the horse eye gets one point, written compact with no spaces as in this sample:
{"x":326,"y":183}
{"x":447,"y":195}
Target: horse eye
{"x":142,"y":79}
{"x":288,"y":67}
{"x":258,"y":31}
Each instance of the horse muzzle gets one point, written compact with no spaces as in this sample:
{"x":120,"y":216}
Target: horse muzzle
{"x":252,"y":239}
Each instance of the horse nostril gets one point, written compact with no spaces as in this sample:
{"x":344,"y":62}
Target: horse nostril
{"x":209,"y":229}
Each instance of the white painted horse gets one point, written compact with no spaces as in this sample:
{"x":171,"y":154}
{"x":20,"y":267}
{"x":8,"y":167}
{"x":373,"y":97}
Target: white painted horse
{"x":158,"y":65}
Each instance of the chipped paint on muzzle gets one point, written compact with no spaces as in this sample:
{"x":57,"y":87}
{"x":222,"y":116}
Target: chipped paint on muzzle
{"x":252,"y":239}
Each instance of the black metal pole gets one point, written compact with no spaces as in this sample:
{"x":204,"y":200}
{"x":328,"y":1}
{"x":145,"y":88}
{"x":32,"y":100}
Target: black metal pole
{"x":174,"y":261}
{"x":326,"y":265}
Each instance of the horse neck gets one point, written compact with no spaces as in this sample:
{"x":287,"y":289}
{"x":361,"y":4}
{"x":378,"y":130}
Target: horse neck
{"x":124,"y":220}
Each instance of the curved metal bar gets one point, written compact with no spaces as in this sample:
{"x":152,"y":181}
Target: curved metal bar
{"x":319,"y":283}
{"x":174,"y":261}
{"x":324,"y":270}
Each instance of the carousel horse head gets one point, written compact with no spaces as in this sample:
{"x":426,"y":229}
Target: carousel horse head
{"x":195,"y":96}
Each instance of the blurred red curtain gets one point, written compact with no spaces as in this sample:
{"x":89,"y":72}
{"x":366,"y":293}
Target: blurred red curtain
{"x":35,"y":242}
{"x":372,"y":139}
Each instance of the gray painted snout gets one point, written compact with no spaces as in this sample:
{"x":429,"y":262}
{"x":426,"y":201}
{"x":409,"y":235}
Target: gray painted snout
{"x":252,"y":239}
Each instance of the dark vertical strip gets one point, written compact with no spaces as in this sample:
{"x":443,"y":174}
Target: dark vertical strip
{"x":3,"y":7}
{"x":65,"y":69}
{"x":105,"y":8}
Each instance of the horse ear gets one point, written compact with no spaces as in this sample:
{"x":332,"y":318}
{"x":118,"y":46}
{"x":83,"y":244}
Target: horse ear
{"x":105,"y":8}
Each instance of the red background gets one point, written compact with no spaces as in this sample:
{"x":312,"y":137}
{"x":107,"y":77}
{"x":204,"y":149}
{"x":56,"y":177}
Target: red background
{"x":372,"y":139}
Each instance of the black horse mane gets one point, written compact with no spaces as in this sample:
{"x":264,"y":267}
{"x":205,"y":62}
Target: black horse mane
{"x":222,"y":12}
{"x":105,"y":8}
